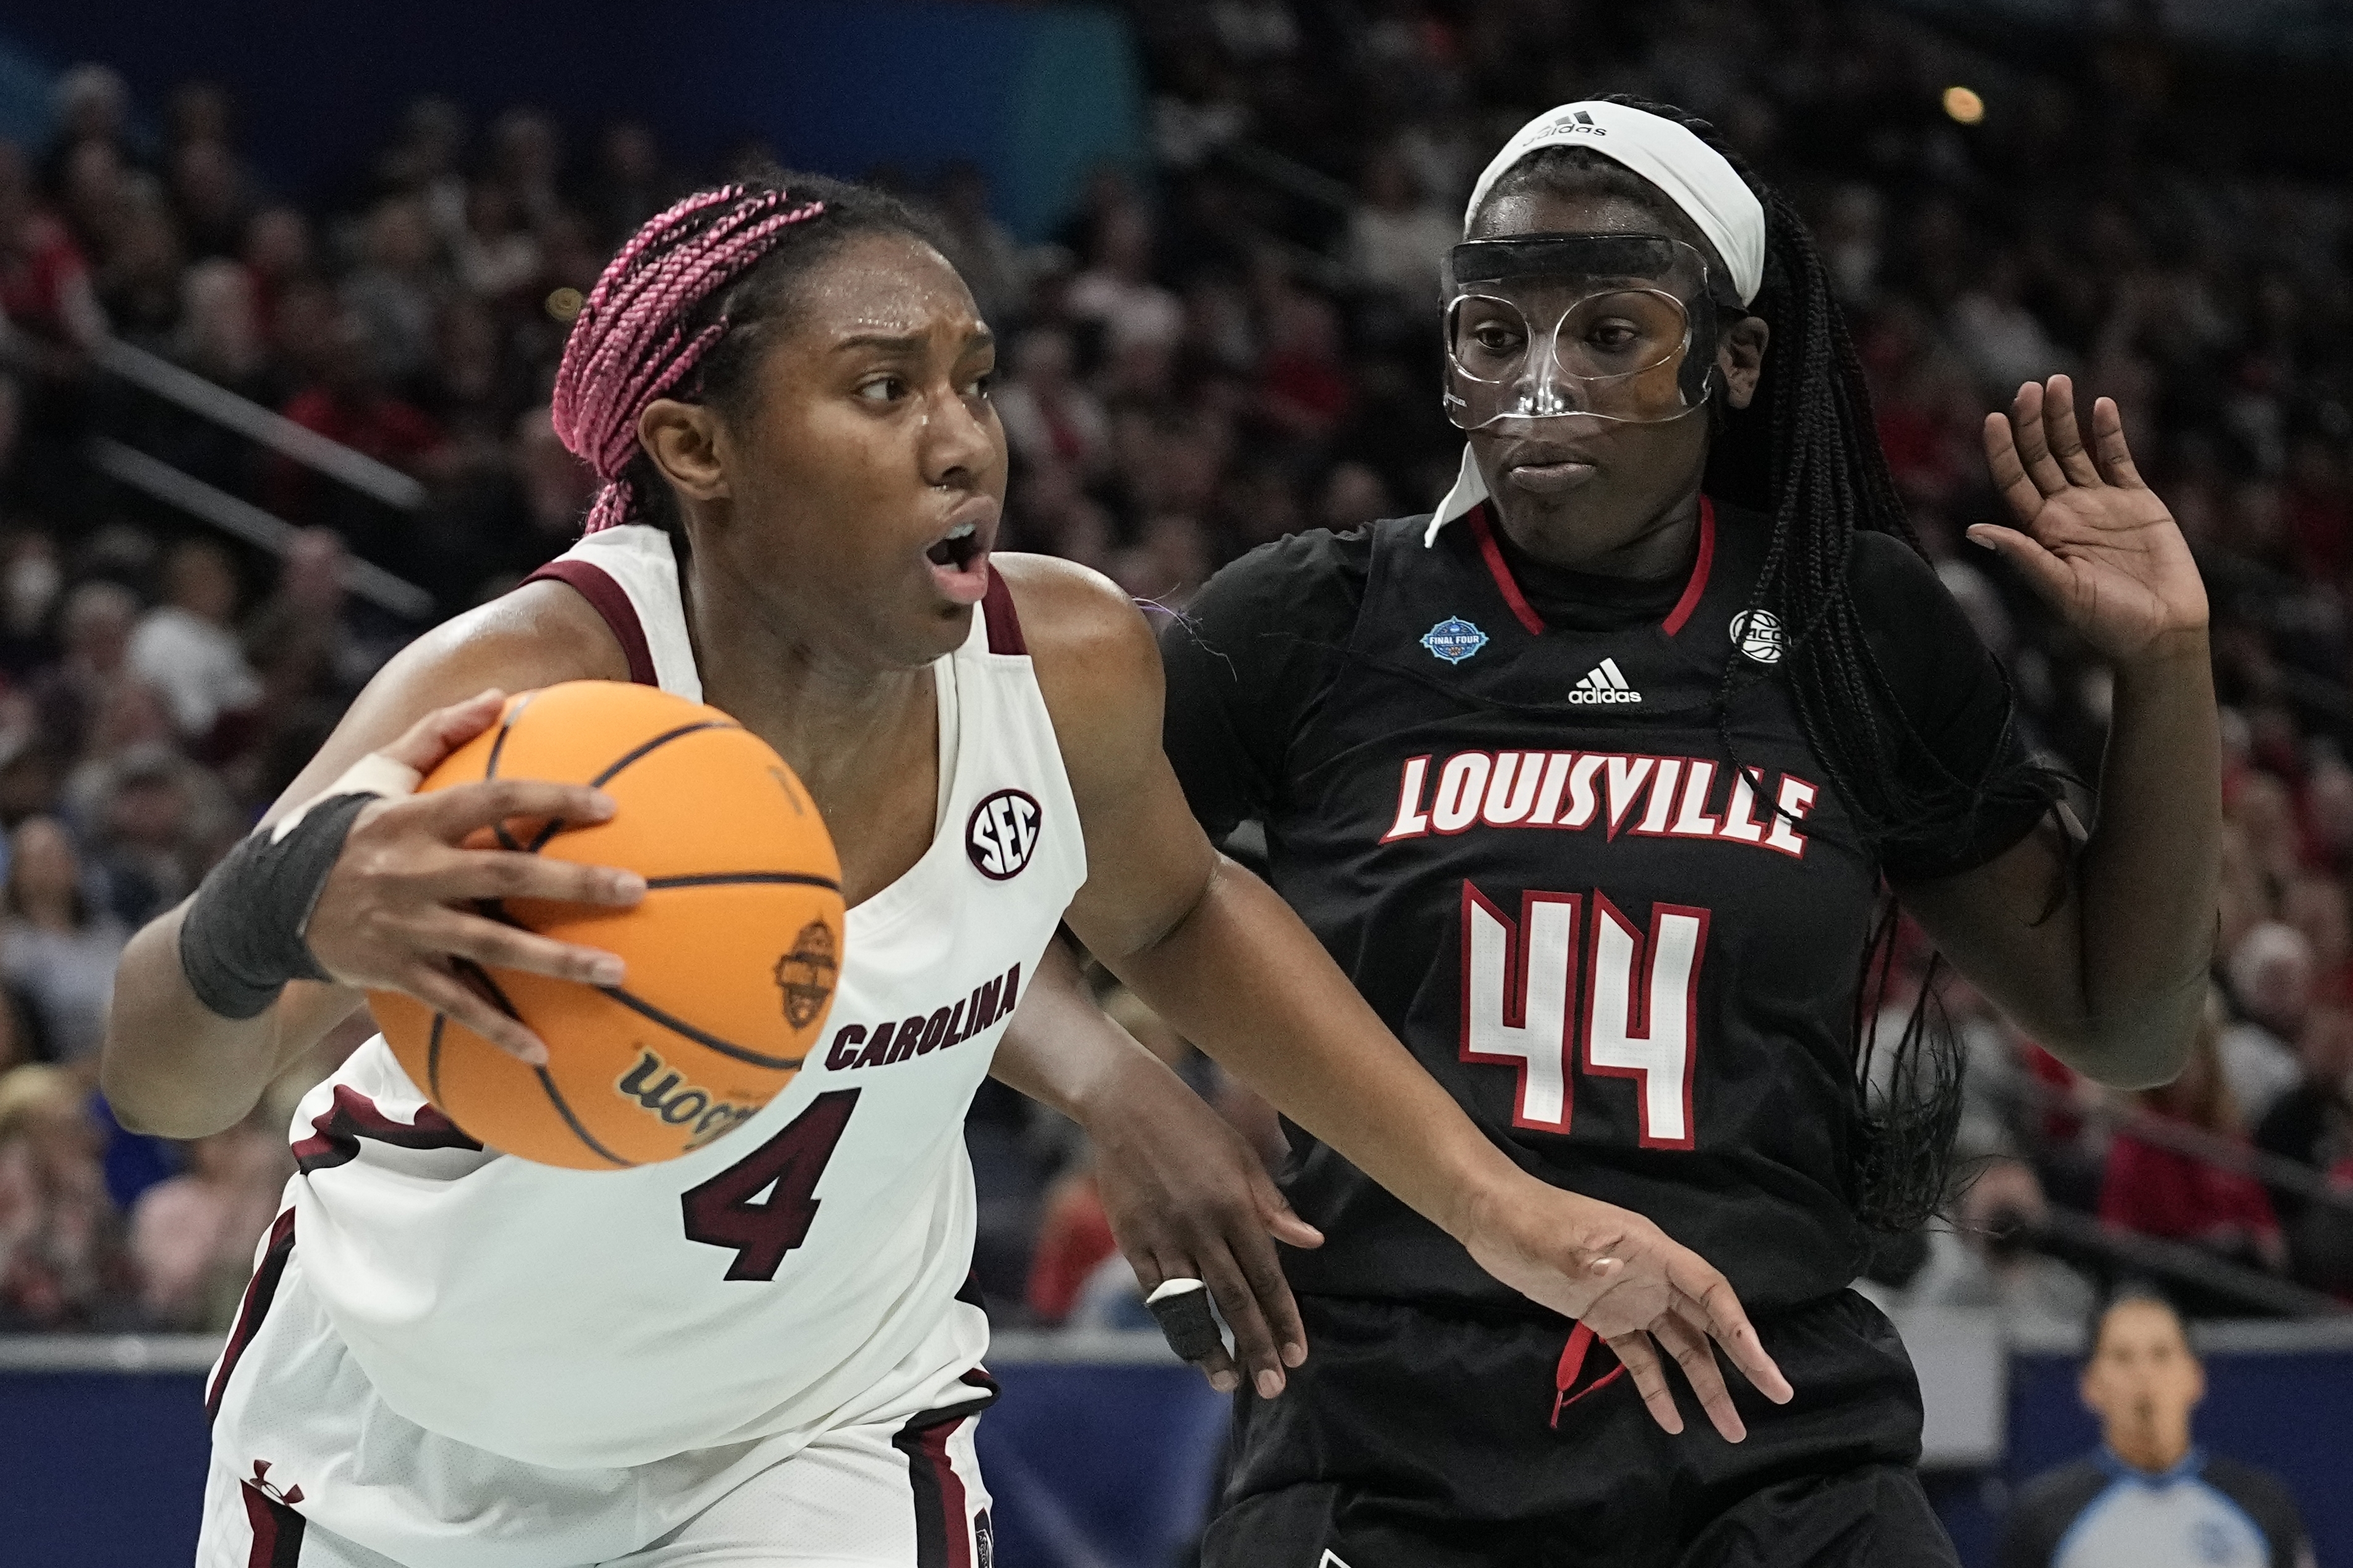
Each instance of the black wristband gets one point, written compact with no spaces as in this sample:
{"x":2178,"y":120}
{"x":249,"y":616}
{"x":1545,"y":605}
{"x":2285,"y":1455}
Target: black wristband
{"x":241,"y":940}
{"x":1181,"y":1308}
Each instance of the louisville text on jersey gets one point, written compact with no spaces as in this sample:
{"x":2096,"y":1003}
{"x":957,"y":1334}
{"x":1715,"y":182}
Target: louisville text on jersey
{"x":1652,"y":796}
{"x":921,"y":1034}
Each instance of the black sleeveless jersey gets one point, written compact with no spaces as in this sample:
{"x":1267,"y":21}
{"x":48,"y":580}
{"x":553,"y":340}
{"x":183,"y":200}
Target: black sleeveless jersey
{"x":1632,"y":960}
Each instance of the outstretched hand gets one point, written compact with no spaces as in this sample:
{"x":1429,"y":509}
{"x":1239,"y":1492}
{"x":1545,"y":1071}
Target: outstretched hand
{"x":1188,"y":1199}
{"x":1636,"y":1287}
{"x":2090,"y":535}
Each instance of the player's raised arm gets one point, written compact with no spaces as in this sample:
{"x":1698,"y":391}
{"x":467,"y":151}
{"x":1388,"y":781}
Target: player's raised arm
{"x":216,"y":996}
{"x":2111,"y":971}
{"x":1233,"y":970}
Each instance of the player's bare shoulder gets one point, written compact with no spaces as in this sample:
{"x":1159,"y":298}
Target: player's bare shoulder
{"x":1082,"y":630}
{"x":1097,"y":668}
{"x":537,"y":634}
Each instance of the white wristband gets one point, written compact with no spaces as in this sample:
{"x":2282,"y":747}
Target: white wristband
{"x":374,"y":773}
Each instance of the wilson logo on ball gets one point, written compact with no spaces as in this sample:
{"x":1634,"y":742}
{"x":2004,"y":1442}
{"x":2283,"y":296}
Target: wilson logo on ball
{"x":1003,"y":834}
{"x":664,"y":1097}
{"x":806,"y":974}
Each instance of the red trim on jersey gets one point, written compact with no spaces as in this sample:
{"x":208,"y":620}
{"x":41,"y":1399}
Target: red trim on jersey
{"x":336,"y":1131}
{"x":608,"y":597}
{"x":1501,"y":570}
{"x":1698,"y":584}
{"x":954,"y":1519}
{"x":1004,"y":623}
{"x":277,"y":1530}
{"x":259,"y":1291}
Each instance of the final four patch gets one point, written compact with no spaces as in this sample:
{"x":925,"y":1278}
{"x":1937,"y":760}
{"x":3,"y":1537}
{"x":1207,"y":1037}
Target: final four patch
{"x":1453,"y":639}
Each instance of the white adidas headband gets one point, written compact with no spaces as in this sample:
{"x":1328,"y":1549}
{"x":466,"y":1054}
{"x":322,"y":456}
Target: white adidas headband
{"x":1695,"y":176}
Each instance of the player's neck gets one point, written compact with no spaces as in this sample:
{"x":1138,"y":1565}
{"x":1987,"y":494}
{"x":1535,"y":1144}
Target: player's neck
{"x":2151,"y":1450}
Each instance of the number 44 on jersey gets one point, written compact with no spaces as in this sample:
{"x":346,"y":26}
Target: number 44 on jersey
{"x":1640,"y":995}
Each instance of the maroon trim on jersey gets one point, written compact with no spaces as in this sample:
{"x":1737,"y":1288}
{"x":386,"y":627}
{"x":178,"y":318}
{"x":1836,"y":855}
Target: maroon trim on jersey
{"x":259,"y":1291}
{"x":1004,"y":624}
{"x":944,"y":1523}
{"x":1698,"y":584}
{"x":277,"y":1530}
{"x":335,"y":1132}
{"x":1493,"y":553}
{"x":1497,"y":567}
{"x":595,"y":585}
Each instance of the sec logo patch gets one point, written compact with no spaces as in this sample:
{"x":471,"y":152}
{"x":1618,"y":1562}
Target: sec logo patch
{"x":1003,"y":834}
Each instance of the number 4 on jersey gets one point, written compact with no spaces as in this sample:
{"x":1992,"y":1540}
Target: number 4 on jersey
{"x":722,"y":1213}
{"x":1640,"y":994}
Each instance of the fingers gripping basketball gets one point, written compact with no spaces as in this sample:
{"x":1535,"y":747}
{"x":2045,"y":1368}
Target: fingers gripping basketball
{"x":731,"y":956}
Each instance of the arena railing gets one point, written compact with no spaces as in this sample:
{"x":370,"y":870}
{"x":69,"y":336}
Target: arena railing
{"x":164,"y":482}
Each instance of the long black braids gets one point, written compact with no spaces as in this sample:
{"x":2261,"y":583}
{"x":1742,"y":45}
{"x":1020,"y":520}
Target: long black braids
{"x":1805,"y":451}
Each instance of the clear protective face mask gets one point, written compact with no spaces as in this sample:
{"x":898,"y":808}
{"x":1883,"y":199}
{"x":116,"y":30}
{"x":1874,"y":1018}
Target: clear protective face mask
{"x":1585,"y":326}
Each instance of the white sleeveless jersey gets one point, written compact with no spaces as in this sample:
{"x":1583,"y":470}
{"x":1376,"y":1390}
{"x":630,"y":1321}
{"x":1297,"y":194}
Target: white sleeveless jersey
{"x":769,"y":1282}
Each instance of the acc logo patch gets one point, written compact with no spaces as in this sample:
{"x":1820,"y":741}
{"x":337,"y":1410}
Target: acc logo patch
{"x":806,"y":974}
{"x":1758,"y":634}
{"x":1453,"y":639}
{"x":1003,"y":834}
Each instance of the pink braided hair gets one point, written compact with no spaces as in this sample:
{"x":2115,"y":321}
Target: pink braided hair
{"x":629,"y":344}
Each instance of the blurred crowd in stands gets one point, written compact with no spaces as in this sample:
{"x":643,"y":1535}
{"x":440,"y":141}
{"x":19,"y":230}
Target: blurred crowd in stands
{"x":1233,"y":343}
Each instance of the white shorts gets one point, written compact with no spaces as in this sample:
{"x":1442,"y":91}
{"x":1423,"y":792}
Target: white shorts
{"x":312,"y":1469}
{"x":859,"y":1497}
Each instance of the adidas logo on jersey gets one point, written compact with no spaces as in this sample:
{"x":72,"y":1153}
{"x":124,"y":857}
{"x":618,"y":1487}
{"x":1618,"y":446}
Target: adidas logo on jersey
{"x":1605,"y":682}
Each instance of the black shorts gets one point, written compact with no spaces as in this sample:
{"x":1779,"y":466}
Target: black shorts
{"x":1417,"y":1440}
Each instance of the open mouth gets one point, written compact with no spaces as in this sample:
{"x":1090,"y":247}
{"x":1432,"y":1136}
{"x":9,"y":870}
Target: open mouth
{"x":958,"y":549}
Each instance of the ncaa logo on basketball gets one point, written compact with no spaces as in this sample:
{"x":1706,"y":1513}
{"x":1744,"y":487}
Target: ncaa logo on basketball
{"x":1758,"y":634}
{"x":1003,"y":834}
{"x":806,"y":974}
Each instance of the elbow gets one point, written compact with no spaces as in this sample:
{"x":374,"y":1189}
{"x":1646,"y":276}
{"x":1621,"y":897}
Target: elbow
{"x":139,"y":1104}
{"x":2145,"y":1050}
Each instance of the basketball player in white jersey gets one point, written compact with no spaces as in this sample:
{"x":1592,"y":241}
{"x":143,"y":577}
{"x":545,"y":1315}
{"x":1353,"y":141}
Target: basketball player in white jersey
{"x":756,"y":1353}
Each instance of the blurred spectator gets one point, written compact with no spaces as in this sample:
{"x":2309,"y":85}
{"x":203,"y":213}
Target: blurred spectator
{"x":277,"y":255}
{"x":1396,"y":240}
{"x":398,"y":288}
{"x":58,"y":945}
{"x":157,"y":821}
{"x":2148,"y":1495}
{"x":46,"y":293}
{"x":1116,"y":293}
{"x":2271,"y":978}
{"x":632,"y":183}
{"x":2160,"y":1192}
{"x":2312,"y":1124}
{"x":1073,"y":1239}
{"x":1049,"y":416}
{"x":981,"y":248}
{"x":1986,"y":1258}
{"x":61,"y":1259}
{"x":219,"y":333}
{"x":192,"y":1236}
{"x":187,"y":648}
{"x":1305,"y":389}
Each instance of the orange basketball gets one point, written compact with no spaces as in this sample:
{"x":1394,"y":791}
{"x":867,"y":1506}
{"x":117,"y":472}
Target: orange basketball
{"x":731,"y":956}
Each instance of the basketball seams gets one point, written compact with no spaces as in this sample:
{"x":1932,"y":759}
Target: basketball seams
{"x":645,"y":748}
{"x":491,"y":770}
{"x":702,"y":1038}
{"x":580,"y":1131}
{"x":743,"y":879}
{"x":433,"y":1057}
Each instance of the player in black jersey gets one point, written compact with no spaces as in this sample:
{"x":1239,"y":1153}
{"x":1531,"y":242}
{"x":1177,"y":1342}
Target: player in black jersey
{"x":1590,"y":782}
